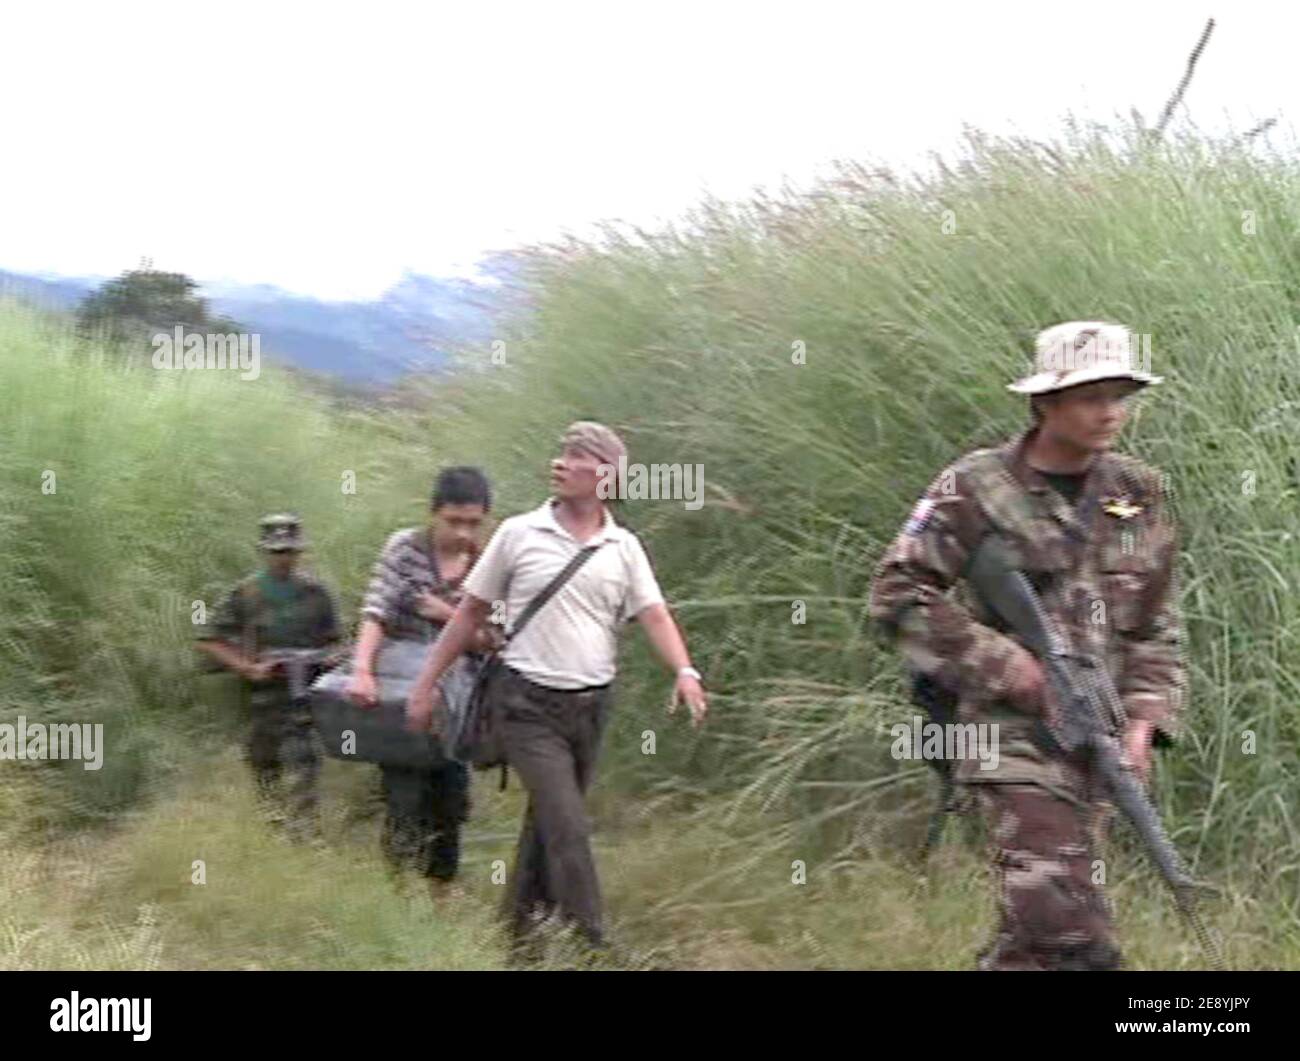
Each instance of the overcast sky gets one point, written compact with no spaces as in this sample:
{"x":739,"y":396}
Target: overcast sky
{"x":328,"y":147}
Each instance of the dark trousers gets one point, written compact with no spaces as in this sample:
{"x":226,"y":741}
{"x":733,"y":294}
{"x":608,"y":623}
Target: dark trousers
{"x":425,"y":811}
{"x":551,"y":738}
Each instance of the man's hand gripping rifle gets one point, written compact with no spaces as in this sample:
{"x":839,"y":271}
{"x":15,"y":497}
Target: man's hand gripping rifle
{"x":1086,"y":697}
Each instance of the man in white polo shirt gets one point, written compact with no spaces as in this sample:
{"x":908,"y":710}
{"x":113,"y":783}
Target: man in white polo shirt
{"x":554,"y":693}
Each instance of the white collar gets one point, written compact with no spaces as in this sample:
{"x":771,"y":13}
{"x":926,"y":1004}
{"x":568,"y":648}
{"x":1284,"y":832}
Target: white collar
{"x":544,"y":519}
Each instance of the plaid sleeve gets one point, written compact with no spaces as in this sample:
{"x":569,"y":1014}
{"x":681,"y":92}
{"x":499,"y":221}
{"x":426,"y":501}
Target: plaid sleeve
{"x":383,"y":595}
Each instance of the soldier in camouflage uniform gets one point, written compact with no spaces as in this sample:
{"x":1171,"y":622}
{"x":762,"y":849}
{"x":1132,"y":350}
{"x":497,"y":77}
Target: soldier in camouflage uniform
{"x":1092,"y":531}
{"x":278,"y":607}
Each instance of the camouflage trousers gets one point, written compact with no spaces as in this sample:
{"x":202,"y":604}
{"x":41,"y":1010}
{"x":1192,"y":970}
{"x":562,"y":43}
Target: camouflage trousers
{"x":284,"y":758}
{"x":1053,"y":914}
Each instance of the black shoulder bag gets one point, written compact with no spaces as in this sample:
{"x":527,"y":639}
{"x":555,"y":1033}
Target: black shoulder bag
{"x":480,"y":735}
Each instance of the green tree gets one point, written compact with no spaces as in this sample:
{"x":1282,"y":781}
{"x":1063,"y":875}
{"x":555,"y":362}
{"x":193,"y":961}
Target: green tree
{"x":141,"y":302}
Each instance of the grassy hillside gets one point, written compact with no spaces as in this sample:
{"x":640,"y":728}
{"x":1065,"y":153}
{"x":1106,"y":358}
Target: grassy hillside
{"x":910,"y":303}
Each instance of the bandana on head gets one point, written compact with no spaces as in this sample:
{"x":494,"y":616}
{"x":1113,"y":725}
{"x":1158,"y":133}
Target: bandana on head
{"x":596,"y":439}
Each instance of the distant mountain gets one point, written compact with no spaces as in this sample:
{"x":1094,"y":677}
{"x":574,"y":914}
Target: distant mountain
{"x":60,"y":293}
{"x":411,"y":327}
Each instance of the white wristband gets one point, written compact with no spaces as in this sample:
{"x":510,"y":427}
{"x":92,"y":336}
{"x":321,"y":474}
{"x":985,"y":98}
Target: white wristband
{"x":691,"y":672}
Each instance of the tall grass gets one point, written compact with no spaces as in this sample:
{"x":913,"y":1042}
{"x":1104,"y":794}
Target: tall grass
{"x":910,"y":321}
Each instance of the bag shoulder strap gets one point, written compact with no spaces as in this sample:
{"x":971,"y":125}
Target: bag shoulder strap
{"x":553,"y":587}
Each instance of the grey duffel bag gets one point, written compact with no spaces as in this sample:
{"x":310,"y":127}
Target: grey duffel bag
{"x":378,"y":735}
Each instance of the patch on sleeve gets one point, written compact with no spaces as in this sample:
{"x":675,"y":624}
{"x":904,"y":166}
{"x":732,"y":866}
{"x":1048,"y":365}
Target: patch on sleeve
{"x":920,"y":516}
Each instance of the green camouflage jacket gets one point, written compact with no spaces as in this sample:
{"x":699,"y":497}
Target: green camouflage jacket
{"x":1104,"y":569}
{"x":254,"y":619}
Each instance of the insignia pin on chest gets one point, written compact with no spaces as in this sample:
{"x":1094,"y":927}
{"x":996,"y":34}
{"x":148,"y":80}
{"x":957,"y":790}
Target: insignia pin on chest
{"x":1120,"y":507}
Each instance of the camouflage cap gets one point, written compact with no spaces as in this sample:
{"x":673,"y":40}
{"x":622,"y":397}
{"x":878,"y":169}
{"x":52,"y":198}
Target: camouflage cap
{"x":281,"y":533}
{"x":1078,"y":352}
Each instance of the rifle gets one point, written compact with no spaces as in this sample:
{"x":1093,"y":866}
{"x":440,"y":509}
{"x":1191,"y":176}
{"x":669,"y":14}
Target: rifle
{"x":297,"y":665}
{"x":940,"y":707}
{"x":1086,"y":696}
